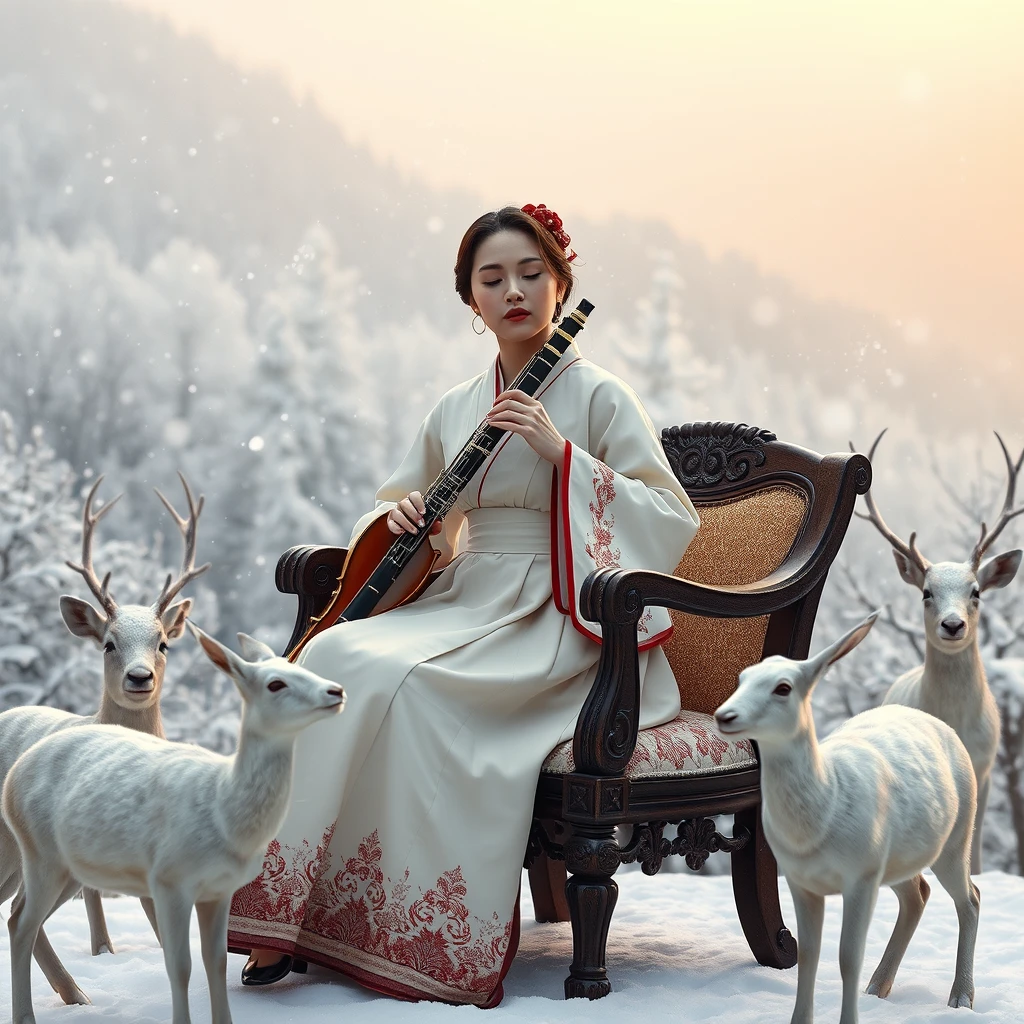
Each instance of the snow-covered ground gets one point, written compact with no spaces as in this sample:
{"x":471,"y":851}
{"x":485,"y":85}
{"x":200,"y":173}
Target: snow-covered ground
{"x":676,"y":952}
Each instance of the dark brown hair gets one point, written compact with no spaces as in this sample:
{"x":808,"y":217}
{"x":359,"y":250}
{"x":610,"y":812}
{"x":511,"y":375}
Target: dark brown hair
{"x":510,"y":218}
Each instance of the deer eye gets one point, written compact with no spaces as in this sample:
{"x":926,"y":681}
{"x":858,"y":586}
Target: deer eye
{"x":108,"y":647}
{"x":782,"y":690}
{"x":926,"y":595}
{"x":276,"y":684}
{"x":163,"y":647}
{"x":975,"y":594}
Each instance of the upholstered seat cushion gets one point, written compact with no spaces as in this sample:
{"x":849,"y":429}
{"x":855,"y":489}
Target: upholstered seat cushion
{"x":688,"y":745}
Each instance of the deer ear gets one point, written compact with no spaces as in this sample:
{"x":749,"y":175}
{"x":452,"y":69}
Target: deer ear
{"x":845,"y":644}
{"x":1000,"y":570}
{"x":253,"y":649}
{"x":82,"y":619}
{"x":909,"y":571}
{"x":174,"y":618}
{"x":226,"y":660}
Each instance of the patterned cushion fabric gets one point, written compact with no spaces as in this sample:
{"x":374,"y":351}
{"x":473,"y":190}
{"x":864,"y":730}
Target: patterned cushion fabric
{"x":688,"y":745}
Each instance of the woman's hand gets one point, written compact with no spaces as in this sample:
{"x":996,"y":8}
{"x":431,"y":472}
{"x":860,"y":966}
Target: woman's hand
{"x":407,"y":515}
{"x":519,"y":412}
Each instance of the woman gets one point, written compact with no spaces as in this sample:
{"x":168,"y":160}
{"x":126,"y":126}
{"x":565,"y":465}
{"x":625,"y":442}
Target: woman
{"x":400,"y":859}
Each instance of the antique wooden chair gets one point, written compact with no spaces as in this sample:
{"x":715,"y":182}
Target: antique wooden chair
{"x":773,"y":517}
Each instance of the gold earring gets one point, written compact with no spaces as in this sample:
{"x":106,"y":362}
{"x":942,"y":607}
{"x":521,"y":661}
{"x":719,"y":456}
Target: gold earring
{"x":483,"y":326}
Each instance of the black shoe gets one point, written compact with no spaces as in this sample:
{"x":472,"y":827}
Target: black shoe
{"x":253,"y":975}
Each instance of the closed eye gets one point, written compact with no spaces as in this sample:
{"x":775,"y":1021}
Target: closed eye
{"x":526,"y":277}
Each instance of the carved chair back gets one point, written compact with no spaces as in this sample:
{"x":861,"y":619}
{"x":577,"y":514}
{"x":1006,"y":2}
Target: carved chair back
{"x":752,"y":509}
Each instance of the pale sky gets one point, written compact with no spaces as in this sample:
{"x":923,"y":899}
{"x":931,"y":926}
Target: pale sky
{"x":871,"y":152}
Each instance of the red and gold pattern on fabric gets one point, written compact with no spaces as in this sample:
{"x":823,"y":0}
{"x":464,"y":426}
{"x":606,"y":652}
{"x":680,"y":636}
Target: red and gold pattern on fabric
{"x":430,"y":933}
{"x":688,"y":745}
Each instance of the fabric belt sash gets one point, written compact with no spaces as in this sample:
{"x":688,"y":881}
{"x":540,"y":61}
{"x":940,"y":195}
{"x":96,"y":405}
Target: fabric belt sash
{"x":509,"y":531}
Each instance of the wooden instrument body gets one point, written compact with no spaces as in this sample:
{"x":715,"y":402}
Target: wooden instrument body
{"x":364,"y":555}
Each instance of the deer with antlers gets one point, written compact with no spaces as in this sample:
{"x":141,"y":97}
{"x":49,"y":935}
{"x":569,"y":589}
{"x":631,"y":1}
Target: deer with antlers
{"x":134,"y":640}
{"x":951,"y":684}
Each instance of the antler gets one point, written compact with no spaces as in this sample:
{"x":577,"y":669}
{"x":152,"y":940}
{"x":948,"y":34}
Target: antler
{"x":188,"y":530}
{"x":89,"y":521}
{"x":1006,"y":513}
{"x":907,"y":550}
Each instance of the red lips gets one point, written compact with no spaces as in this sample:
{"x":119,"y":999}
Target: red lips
{"x":517,"y":314}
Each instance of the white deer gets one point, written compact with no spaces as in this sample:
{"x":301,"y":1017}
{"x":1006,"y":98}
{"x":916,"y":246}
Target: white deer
{"x":134,"y":640}
{"x":886,"y":795}
{"x":188,"y":828}
{"x":951,"y":684}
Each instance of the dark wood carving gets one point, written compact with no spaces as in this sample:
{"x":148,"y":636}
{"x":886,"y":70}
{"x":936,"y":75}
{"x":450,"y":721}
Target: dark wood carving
{"x":695,"y":840}
{"x":576,"y":814}
{"x":705,"y":454}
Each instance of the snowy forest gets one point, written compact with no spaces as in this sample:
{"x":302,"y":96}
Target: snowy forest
{"x":198,"y":272}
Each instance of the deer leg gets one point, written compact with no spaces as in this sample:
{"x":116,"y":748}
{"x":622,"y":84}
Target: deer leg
{"x":173,"y":913}
{"x":858,"y":906}
{"x":913,"y":895}
{"x":147,"y":906}
{"x":983,"y":788}
{"x":213,"y":931}
{"x":99,"y":939}
{"x":951,"y":871}
{"x":56,"y":973}
{"x":810,"y":916}
{"x":44,"y":888}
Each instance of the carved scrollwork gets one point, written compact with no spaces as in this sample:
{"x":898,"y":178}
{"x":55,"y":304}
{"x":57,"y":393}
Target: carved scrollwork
{"x":647,"y":847}
{"x":619,"y":736}
{"x":696,"y":839}
{"x":705,"y":454}
{"x":540,"y":842}
{"x":592,"y":857}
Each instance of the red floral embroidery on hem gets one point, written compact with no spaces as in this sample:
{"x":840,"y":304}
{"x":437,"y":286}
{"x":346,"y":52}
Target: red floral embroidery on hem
{"x":434,"y":934}
{"x":282,"y":891}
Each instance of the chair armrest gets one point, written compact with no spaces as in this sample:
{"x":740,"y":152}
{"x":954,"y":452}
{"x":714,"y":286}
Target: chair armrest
{"x":607,"y":728}
{"x":311,"y":572}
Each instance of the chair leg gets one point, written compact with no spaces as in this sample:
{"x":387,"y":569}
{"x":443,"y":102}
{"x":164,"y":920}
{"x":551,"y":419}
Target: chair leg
{"x":755,"y":886}
{"x":547,"y":884}
{"x":592,"y":855}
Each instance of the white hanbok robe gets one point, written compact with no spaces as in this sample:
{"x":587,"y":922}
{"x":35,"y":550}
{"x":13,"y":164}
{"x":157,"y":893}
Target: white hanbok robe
{"x":399,"y":861}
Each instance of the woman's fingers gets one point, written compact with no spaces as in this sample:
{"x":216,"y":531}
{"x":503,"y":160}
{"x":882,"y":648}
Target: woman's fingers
{"x":399,"y":522}
{"x":407,"y":515}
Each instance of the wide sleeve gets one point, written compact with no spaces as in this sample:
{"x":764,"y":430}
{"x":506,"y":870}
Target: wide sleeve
{"x":418,"y":470}
{"x":617,"y":503}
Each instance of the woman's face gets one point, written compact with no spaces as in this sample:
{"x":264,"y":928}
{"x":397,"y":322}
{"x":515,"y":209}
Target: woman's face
{"x":513,"y":290}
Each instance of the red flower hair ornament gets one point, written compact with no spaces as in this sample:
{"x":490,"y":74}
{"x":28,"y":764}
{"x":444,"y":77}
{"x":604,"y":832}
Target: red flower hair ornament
{"x":553,"y":223}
